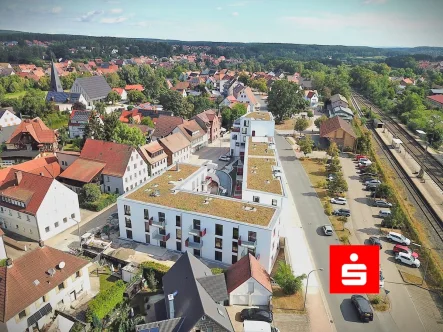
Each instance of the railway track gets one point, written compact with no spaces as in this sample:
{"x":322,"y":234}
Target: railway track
{"x":426,"y":160}
{"x":430,"y":216}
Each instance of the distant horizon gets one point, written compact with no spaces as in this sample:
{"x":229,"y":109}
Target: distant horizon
{"x":317,"y":22}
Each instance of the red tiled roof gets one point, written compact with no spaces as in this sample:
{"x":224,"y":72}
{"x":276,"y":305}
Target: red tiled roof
{"x":181,"y":86}
{"x":334,"y":124}
{"x":83,"y":170}
{"x":116,"y":156}
{"x":46,"y":166}
{"x":125,"y":115}
{"x":118,"y":90}
{"x":246,"y":268}
{"x":436,"y":98}
{"x":150,"y":148}
{"x":17,"y":288}
{"x":36,"y":128}
{"x":166,"y":124}
{"x":138,"y":87}
{"x":231,"y":98}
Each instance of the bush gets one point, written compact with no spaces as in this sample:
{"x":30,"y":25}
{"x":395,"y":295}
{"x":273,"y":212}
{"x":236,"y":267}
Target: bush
{"x":376,"y":300}
{"x":104,"y":201}
{"x":150,"y":279}
{"x":286,"y":280}
{"x":217,"y":270}
{"x":159,"y":270}
{"x":106,"y":301}
{"x":328,"y":208}
{"x":3,"y":262}
{"x":321,"y":184}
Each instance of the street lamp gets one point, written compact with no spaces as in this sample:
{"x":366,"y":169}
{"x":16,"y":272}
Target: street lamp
{"x":427,"y":261}
{"x":307,"y":282}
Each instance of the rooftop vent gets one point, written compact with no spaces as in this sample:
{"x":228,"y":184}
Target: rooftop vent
{"x":51,"y":272}
{"x":181,"y":179}
{"x":155,"y":193}
{"x":36,"y":282}
{"x":268,"y":182}
{"x":249,"y":208}
{"x":155,"y":185}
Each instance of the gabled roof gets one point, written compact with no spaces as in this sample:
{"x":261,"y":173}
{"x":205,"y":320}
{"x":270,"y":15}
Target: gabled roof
{"x":246,"y":268}
{"x":148,"y":149}
{"x":166,"y":124}
{"x":436,"y":98}
{"x":6,"y":132}
{"x":174,"y":142}
{"x":190,"y":127}
{"x":137,"y":87}
{"x":83,"y":170}
{"x":333,"y":124}
{"x":181,"y":86}
{"x":80,"y":115}
{"x":45,"y":166}
{"x":338,"y":97}
{"x":95,"y":87}
{"x":36,"y":128}
{"x":215,"y":286}
{"x":56,"y":85}
{"x":63,"y":97}
{"x":17,"y":283}
{"x":192,"y":301}
{"x":116,"y":156}
{"x":118,"y":90}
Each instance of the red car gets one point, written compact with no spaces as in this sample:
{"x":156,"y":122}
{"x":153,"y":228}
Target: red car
{"x":359,"y":156}
{"x":406,"y":250}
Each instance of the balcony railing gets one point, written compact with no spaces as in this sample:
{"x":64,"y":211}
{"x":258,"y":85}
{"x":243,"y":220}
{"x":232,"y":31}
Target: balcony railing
{"x":247,"y":244}
{"x":197,"y":232}
{"x":194,"y":245}
{"x":161,"y":223}
{"x":161,"y":237}
{"x":245,"y":251}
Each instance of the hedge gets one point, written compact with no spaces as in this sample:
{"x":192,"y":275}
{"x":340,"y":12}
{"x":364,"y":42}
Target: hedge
{"x":104,"y":201}
{"x":158,"y":269}
{"x":217,"y":270}
{"x":105,"y":302}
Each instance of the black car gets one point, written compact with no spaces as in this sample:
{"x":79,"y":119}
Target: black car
{"x":363,"y":307}
{"x":256,"y":314}
{"x":375,"y":241}
{"x":342,"y":212}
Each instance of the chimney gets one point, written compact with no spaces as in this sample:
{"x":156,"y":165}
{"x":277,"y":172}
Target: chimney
{"x":41,"y":243}
{"x":9,"y":263}
{"x":18,"y":177}
{"x":171,"y":305}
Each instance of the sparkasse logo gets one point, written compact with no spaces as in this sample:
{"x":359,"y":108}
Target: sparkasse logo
{"x":354,"y":269}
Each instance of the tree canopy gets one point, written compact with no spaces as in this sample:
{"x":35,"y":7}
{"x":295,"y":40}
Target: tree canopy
{"x":285,"y":99}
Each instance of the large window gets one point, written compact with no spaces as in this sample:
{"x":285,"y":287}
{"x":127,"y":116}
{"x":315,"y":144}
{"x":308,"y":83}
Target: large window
{"x":234,"y":246}
{"x":127,"y":210}
{"x":128,"y":234}
{"x":235,"y":233}
{"x":22,"y":314}
{"x":147,"y":227}
{"x":218,"y":230}
{"x":218,"y":256}
{"x":234,"y":259}
{"x":196,"y":252}
{"x":196,"y":224}
{"x":252,"y":236}
{"x":146,"y":214}
{"x":218,"y":243}
{"x":178,"y":221}
{"x":128,"y":222}
{"x":161,"y":216}
{"x":178,"y":233}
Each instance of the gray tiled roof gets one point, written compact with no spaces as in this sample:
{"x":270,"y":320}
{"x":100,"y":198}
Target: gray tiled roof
{"x":63,"y":97}
{"x":215,"y":286}
{"x":6,"y":132}
{"x":95,"y":87}
{"x":81,"y":116}
{"x":169,"y":325}
{"x":56,"y":85}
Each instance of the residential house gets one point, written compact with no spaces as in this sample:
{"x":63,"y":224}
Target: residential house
{"x":66,"y":158}
{"x":30,"y":139}
{"x":137,"y":87}
{"x":339,"y":131}
{"x":437,"y":91}
{"x":176,"y":147}
{"x":246,"y":96}
{"x":248,"y":283}
{"x":193,"y":300}
{"x":93,"y":89}
{"x":6,"y":69}
{"x":436,"y":100}
{"x":36,"y":284}
{"x":344,"y":112}
{"x":406,"y":81}
{"x":210,"y":121}
{"x":36,"y":205}
{"x":78,"y":121}
{"x":311,"y":96}
{"x":131,"y":116}
{"x":228,"y":101}
{"x":118,"y":168}
{"x":44,"y":166}
{"x":155,"y":157}
{"x":338,"y":100}
{"x":7,"y":119}
{"x":305,"y":83}
{"x":165,"y":126}
{"x":2,"y":246}
{"x":122,"y":93}
{"x":65,"y":100}
{"x":195,"y":134}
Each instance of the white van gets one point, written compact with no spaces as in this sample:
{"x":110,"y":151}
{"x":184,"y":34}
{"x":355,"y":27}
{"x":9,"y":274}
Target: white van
{"x":384,"y":213}
{"x":257,"y":326}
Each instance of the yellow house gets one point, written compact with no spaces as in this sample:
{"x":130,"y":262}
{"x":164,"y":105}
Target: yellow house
{"x":339,"y":131}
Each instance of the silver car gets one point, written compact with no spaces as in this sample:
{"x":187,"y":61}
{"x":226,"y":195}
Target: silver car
{"x":327,"y":229}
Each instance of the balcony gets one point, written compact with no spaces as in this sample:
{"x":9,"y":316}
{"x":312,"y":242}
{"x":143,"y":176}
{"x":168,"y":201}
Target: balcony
{"x":197,"y":232}
{"x":194,"y":245}
{"x":244,"y":252}
{"x":247,"y":244}
{"x":161,"y":223}
{"x":236,"y":130}
{"x":159,"y":236}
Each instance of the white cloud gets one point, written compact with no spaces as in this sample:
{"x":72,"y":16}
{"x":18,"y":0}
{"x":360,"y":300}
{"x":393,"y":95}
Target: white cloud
{"x":219,"y":8}
{"x":56,"y":10}
{"x":235,"y":14}
{"x":116,"y":10}
{"x":368,"y":2}
{"x":111,"y":20}
{"x":89,"y":16}
{"x":141,"y":24}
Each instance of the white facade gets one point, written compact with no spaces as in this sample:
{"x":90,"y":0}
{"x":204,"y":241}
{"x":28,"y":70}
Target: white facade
{"x":2,"y":248}
{"x":9,"y":119}
{"x":56,"y":214}
{"x":74,"y":287}
{"x":66,"y":158}
{"x":136,"y":174}
{"x":250,"y":293}
{"x":196,"y":144}
{"x":242,"y":97}
{"x":181,"y":156}
{"x":159,"y":167}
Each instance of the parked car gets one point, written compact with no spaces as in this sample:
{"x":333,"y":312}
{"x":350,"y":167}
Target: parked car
{"x":382,"y":280}
{"x":327,"y":230}
{"x":372,"y":181}
{"x":404,"y":249}
{"x":256,"y":314}
{"x":363,"y":307}
{"x":368,"y":175}
{"x":384,"y":213}
{"x":375,"y":241}
{"x":338,"y":200}
{"x":397,"y":237}
{"x":371,"y":188}
{"x":224,"y":158}
{"x":360,"y":156}
{"x":363,"y":160}
{"x":407,"y":259}
{"x":342,"y":212}
{"x":382,"y":203}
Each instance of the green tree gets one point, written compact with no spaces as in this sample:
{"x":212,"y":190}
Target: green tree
{"x":113,"y":97}
{"x":151,"y":281}
{"x":383,"y":191}
{"x":78,"y":106}
{"x":173,"y":101}
{"x":337,"y":185}
{"x":334,"y":166}
{"x":318,"y":122}
{"x":94,"y":128}
{"x":286,"y":279}
{"x":147,"y":121}
{"x":364,"y":142}
{"x":333,"y":150}
{"x":33,"y":104}
{"x":100,"y":107}
{"x":114,"y":80}
{"x":306,"y":144}
{"x":63,"y":136}
{"x":244,"y":78}
{"x":128,"y":135}
{"x":110,"y":123}
{"x":285,"y":100}
{"x":259,"y":84}
{"x":310,"y":114}
{"x":90,"y":192}
{"x":124,"y":322}
{"x":301,"y":124}
{"x":201,"y":103}
{"x":135,"y":96}
{"x":238,"y":110}
{"x":44,"y":83}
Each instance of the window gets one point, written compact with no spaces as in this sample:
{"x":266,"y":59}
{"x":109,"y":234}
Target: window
{"x":72,"y":215}
{"x":234,"y":259}
{"x":161,"y":216}
{"x":218,"y":230}
{"x":129,"y":234}
{"x":147,"y":227}
{"x":196,"y":253}
{"x":146,"y":214}
{"x":244,"y":130}
{"x":274,"y":202}
{"x":108,"y":179}
{"x":126,"y":179}
{"x":127,"y":210}
{"x":22,"y":314}
{"x":178,"y":221}
{"x":47,"y":229}
{"x":218,"y":256}
{"x":178,"y":233}
{"x":234,"y":246}
{"x":108,"y":188}
{"x":77,"y":274}
{"x":61,"y":286}
{"x":128,"y":222}
{"x":235,"y":233}
{"x":65,"y":219}
{"x":218,"y":243}
{"x":256,"y":199}
{"x":252,"y":236}
{"x":56,"y":224}
{"x":196,"y":224}
{"x":128,"y":168}
{"x":16,"y":226}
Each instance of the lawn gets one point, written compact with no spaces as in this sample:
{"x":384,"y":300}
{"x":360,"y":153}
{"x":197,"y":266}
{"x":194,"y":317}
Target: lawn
{"x":106,"y":279}
{"x":286,"y":303}
{"x":14,"y":95}
{"x":71,"y":147}
{"x":286,"y":125}
{"x":378,"y":301}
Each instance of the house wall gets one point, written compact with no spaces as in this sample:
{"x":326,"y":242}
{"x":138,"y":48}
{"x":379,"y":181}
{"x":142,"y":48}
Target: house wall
{"x":339,"y":103}
{"x":65,"y":160}
{"x":9,"y":119}
{"x":80,"y":285}
{"x":158,"y":167}
{"x":60,"y":202}
{"x":342,"y":138}
{"x":20,"y":223}
{"x":65,"y":106}
{"x":2,"y":249}
{"x":181,"y":156}
{"x":136,"y":174}
{"x":77,"y":130}
{"x":240,"y":295}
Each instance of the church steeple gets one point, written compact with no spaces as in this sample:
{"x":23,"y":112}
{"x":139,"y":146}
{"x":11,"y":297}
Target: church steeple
{"x":56,"y":85}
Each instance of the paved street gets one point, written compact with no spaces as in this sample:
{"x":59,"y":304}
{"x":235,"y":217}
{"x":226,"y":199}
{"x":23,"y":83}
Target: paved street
{"x":312,"y":218}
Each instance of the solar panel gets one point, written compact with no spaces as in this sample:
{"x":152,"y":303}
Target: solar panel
{"x":39,"y":314}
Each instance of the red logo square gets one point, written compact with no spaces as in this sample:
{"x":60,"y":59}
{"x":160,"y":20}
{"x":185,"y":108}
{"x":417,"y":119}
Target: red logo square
{"x":354,"y":269}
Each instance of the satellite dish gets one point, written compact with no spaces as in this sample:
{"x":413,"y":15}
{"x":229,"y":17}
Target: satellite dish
{"x":61,"y":265}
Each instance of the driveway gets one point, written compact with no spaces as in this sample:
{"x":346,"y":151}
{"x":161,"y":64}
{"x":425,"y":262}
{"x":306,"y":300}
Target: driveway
{"x":212,"y":152}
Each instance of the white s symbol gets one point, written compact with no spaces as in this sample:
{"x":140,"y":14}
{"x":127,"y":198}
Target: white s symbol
{"x":347,"y":271}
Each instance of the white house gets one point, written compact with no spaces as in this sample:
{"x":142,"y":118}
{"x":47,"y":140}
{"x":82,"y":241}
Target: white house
{"x":246,"y":96}
{"x":195,"y":134}
{"x":177,"y":211}
{"x":155,"y":156}
{"x":311,"y":96}
{"x":7,"y":118}
{"x":176,"y":147}
{"x":121,"y":92}
{"x":36,"y":284}
{"x":37,"y":206}
{"x":78,"y":121}
{"x":248,"y":283}
{"x":2,"y":246}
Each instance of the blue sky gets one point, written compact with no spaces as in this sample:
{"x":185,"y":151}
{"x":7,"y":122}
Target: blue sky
{"x":326,"y":22}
